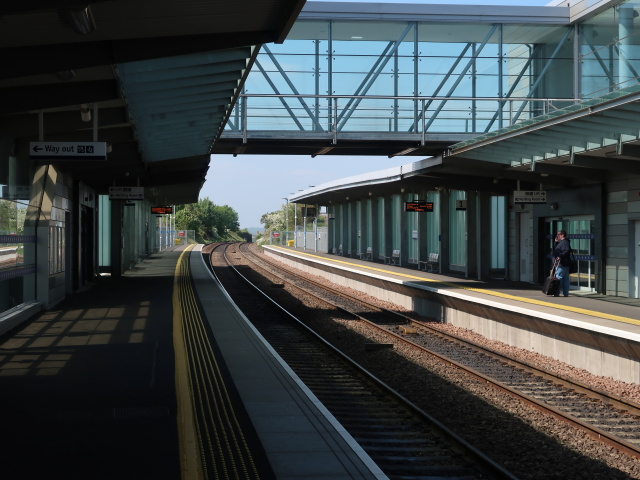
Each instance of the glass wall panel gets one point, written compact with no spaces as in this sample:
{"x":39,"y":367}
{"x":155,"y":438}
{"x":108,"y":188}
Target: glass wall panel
{"x":413,"y":238}
{"x":453,"y":61}
{"x":498,"y":234}
{"x":360,"y":229}
{"x":610,"y":50}
{"x":396,"y":202}
{"x":342,"y":239}
{"x":56,"y":249}
{"x":382,"y":244}
{"x":581,"y":233}
{"x":17,"y":240}
{"x":433,"y":224}
{"x":458,"y":231}
{"x":369,"y":221}
{"x":104,"y":229}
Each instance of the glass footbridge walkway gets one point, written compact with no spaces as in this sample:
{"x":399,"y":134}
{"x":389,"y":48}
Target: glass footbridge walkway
{"x":353,"y":80}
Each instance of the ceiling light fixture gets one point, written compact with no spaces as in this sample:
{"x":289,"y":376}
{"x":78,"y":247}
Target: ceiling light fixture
{"x":85,"y":113}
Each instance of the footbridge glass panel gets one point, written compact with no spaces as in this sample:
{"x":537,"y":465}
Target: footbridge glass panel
{"x":610,"y":50}
{"x":410,"y":78}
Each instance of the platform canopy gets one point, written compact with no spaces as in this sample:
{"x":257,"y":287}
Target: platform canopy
{"x":154,"y":79}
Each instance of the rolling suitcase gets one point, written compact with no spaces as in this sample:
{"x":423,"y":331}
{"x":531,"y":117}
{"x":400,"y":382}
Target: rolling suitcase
{"x":551,"y":284}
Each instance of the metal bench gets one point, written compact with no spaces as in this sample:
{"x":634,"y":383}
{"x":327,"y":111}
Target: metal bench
{"x":430,"y":264}
{"x":394,"y":259}
{"x":368,"y":255}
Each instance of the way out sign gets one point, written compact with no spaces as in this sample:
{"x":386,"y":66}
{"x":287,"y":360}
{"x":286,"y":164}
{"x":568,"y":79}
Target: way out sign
{"x":68,"y":150}
{"x":529,"y":196}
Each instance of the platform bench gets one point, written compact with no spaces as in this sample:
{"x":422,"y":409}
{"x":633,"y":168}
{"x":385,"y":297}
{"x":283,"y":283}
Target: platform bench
{"x":431,"y":263}
{"x":368,"y":255}
{"x":394,"y":259}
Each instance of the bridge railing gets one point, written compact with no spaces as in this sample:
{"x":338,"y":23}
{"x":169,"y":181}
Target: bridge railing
{"x":340,"y":114}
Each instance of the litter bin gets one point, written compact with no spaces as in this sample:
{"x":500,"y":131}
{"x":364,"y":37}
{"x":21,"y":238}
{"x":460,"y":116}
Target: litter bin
{"x":290,"y":243}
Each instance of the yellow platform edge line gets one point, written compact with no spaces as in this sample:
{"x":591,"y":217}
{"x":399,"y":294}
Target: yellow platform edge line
{"x":532,"y":301}
{"x":190,"y":461}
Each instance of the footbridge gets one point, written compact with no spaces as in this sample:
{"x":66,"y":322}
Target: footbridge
{"x":381,"y":79}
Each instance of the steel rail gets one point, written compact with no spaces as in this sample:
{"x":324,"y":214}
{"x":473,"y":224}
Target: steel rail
{"x":594,"y":432}
{"x":489,"y":463}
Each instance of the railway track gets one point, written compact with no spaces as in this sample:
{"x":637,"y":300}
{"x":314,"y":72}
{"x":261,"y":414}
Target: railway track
{"x":610,"y":420}
{"x":404,"y":441}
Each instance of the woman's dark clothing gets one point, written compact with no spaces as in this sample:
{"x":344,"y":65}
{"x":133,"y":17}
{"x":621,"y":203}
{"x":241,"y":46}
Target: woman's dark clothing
{"x":562,"y":250}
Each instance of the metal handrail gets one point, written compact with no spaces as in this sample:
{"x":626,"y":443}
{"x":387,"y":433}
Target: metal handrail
{"x":425,"y":118}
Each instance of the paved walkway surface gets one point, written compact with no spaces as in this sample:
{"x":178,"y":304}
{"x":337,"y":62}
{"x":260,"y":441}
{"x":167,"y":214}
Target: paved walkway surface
{"x":88,"y":389}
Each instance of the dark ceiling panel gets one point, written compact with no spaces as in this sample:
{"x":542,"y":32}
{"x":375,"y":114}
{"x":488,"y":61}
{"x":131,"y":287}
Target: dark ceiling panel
{"x":40,"y":97}
{"x":179,"y":112}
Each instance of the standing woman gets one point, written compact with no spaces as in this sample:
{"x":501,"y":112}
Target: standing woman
{"x":562,"y":253}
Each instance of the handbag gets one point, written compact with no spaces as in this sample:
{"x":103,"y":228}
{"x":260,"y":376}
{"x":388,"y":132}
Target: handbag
{"x":573,"y":266}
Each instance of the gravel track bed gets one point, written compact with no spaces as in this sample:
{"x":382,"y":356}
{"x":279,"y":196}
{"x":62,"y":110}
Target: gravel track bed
{"x":530,"y":444}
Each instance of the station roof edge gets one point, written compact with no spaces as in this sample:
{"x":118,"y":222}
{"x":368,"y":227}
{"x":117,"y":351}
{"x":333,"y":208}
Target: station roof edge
{"x":436,"y":12}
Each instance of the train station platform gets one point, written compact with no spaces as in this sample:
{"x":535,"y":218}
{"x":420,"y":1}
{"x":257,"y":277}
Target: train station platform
{"x":90,"y":389}
{"x":598,"y":333}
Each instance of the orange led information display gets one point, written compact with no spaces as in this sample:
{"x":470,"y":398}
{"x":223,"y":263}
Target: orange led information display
{"x":162,"y":210}
{"x":418,"y":206}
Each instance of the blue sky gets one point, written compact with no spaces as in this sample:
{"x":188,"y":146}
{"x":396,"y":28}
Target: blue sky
{"x":256,"y":184}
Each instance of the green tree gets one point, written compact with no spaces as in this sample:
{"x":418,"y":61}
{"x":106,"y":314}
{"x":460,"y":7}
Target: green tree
{"x":207,"y":216}
{"x":210,"y":221}
{"x":226,"y":218}
{"x":187,"y":217}
{"x":273,"y":221}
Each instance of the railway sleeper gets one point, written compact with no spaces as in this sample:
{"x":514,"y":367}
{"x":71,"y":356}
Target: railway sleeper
{"x":408,"y":330}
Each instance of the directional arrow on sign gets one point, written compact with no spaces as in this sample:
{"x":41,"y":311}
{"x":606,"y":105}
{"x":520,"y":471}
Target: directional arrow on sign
{"x":68,"y":151}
